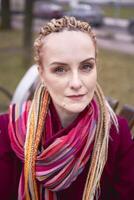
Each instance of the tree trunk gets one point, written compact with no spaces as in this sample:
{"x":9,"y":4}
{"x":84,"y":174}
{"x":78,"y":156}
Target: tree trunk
{"x":5,"y":15}
{"x":28,"y":31}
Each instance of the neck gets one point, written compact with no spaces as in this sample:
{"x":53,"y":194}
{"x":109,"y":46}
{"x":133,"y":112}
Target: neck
{"x":66,"y":117}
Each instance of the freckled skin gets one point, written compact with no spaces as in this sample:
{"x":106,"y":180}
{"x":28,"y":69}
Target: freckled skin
{"x":66,"y":71}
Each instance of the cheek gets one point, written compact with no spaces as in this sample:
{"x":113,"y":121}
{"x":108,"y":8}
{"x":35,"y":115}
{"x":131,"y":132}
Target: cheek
{"x":54,"y":85}
{"x":91,"y":80}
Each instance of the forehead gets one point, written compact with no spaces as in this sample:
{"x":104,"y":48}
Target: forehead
{"x":68,"y":44}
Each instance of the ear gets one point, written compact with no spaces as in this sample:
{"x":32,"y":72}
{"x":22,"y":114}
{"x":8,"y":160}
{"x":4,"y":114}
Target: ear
{"x":40,"y":70}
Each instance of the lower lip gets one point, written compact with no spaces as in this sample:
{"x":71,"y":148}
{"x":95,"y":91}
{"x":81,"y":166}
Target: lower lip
{"x":76,"y":97}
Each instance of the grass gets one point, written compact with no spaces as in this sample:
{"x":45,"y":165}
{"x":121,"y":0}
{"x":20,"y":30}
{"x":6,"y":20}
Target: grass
{"x":11,"y":71}
{"x":10,"y":39}
{"x":122,"y":12}
{"x":115,"y":70}
{"x":11,"y":63}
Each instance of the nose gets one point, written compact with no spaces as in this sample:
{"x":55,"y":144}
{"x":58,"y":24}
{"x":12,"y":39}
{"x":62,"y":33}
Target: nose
{"x":75,"y":81}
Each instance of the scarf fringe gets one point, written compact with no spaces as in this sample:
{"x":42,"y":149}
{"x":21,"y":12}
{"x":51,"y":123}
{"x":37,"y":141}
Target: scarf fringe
{"x":100,"y":151}
{"x":35,"y":123}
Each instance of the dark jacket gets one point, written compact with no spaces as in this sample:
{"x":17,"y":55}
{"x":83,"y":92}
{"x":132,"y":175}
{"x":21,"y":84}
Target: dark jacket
{"x":117,"y":182}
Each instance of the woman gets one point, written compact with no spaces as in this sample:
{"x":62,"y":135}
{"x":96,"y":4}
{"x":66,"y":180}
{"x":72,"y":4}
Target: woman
{"x":67,"y":142}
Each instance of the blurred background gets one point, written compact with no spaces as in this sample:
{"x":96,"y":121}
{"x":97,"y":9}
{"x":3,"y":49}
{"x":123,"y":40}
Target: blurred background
{"x":112,"y":20}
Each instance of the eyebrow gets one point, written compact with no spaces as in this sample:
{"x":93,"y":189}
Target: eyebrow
{"x":61,"y":63}
{"x":88,"y":59}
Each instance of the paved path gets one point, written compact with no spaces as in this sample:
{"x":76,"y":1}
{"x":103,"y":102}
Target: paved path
{"x":115,"y":39}
{"x":122,"y":23}
{"x":119,"y":46}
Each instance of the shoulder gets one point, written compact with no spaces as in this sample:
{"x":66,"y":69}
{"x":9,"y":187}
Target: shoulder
{"x":4,"y":138}
{"x":121,"y":144}
{"x":123,"y":147}
{"x":118,"y":176}
{"x":123,"y":136}
{"x":9,"y":173}
{"x":7,"y":124}
{"x":4,"y":118}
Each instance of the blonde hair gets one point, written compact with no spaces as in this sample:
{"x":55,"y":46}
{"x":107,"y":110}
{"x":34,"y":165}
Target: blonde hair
{"x":58,"y":25}
{"x":106,"y":116}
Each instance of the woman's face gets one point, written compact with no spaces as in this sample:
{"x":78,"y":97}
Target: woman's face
{"x":68,"y":70}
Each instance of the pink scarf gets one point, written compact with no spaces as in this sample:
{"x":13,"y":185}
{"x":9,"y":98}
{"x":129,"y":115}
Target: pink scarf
{"x":62,"y":154}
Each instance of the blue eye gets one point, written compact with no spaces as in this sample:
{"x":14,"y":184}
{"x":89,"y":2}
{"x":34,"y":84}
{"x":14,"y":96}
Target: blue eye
{"x":87,"y":67}
{"x":59,"y":70}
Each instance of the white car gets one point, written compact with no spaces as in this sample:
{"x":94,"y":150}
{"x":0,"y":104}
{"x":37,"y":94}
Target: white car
{"x":86,"y":12}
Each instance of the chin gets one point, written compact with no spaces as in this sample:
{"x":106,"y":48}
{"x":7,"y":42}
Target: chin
{"x":76,"y":108}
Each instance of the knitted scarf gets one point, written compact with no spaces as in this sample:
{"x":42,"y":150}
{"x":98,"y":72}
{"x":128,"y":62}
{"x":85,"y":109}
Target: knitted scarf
{"x":48,"y":169}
